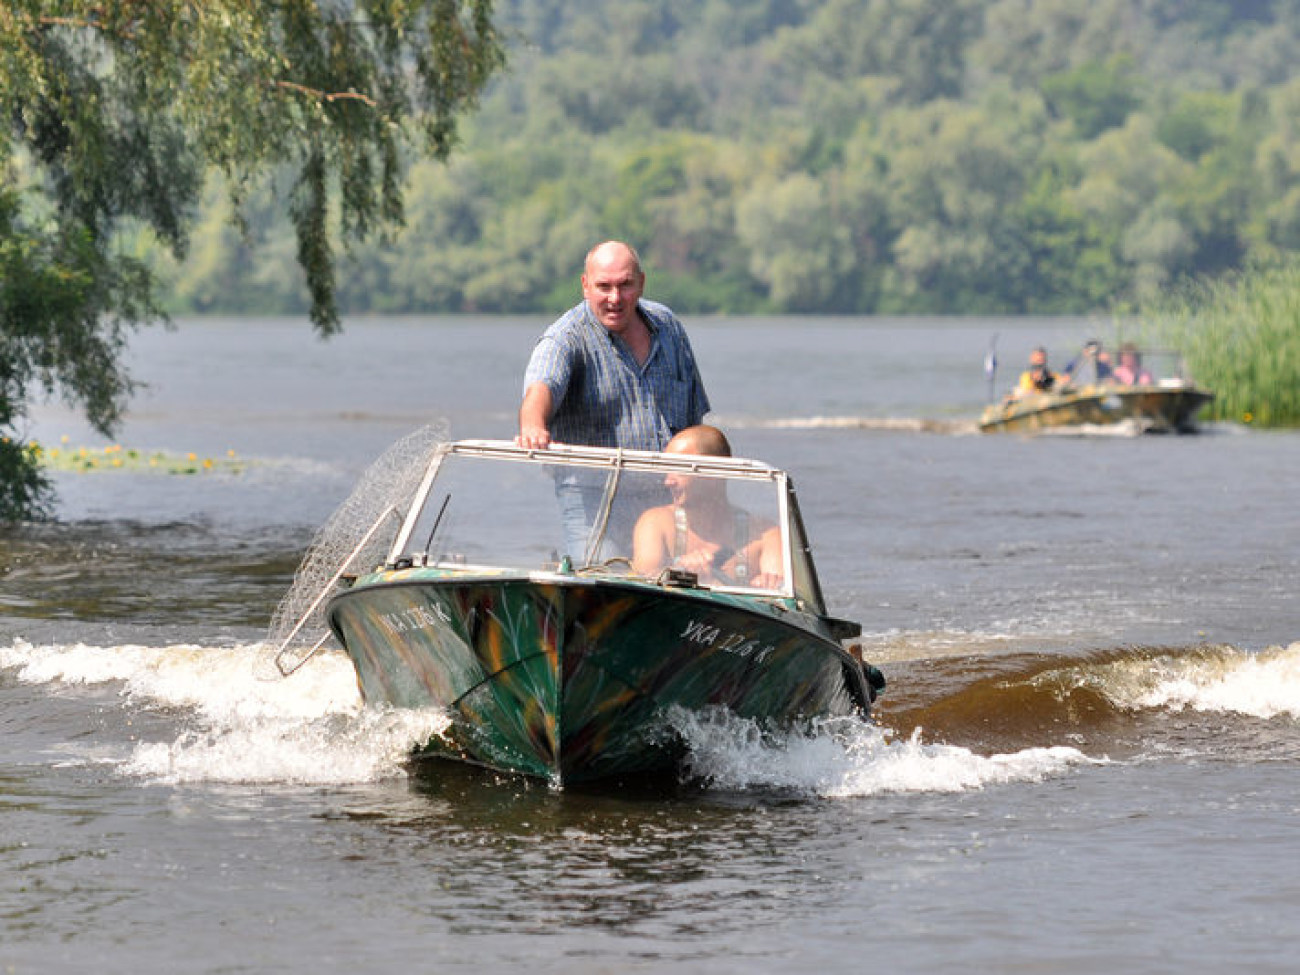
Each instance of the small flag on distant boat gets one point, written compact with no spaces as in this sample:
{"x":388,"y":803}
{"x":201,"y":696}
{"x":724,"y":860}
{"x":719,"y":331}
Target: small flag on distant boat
{"x":991,"y":364}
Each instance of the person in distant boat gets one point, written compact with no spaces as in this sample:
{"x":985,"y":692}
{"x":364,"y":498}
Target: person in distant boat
{"x":1038,"y":378}
{"x":1092,"y":352}
{"x":615,"y":370}
{"x":1105,"y":367}
{"x":701,"y":532}
{"x":1129,"y":372}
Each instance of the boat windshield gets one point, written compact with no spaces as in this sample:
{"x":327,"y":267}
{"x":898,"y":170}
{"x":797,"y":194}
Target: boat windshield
{"x":721,"y":523}
{"x":1148,"y":366}
{"x":1164,"y":367}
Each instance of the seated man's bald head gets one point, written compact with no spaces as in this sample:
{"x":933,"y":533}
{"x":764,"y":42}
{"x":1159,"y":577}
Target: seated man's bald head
{"x":702,"y":439}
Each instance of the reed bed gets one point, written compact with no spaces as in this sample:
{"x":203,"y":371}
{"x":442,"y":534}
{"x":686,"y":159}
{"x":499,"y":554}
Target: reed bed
{"x":1240,"y":337}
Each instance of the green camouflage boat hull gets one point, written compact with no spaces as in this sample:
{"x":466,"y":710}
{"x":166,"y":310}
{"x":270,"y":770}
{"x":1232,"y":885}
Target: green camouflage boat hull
{"x":570,"y":679}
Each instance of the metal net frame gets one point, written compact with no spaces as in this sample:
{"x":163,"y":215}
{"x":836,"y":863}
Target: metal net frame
{"x":358,"y":536}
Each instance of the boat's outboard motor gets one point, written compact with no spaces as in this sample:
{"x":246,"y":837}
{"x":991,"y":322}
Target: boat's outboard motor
{"x":875,"y":679}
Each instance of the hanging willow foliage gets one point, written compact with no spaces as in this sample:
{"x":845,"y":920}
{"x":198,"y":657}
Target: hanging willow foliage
{"x":113,"y":112}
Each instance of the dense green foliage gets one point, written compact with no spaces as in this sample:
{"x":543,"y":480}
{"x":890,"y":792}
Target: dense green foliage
{"x":54,"y":289}
{"x":1241,"y":337}
{"x":849,"y":156}
{"x":112,"y":114}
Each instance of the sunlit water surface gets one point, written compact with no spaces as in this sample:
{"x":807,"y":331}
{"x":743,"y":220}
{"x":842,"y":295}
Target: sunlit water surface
{"x":1088,"y":757}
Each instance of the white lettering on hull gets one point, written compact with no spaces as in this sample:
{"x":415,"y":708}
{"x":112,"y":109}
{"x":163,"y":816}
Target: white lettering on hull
{"x":706,"y":634}
{"x":414,"y":618}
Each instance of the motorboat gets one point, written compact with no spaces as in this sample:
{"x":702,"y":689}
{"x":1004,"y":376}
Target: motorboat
{"x":1162,"y":399}
{"x":512,"y":598}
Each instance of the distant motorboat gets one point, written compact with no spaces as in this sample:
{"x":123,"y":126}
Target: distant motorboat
{"x":1164,"y":400}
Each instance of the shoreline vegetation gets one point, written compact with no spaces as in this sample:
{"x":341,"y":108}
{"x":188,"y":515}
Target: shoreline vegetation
{"x":114,"y":118}
{"x":1240,"y":337}
{"x":828,"y":157}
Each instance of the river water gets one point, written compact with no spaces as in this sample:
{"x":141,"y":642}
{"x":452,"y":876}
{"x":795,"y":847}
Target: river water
{"x":1087,"y":759}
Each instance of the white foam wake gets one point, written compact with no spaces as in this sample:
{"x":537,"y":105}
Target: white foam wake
{"x":1261,"y":685}
{"x":847,"y":757}
{"x":904,"y":424}
{"x":367,"y":746}
{"x":236,"y":724}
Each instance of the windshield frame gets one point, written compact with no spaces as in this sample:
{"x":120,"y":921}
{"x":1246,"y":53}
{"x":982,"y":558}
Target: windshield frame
{"x":799,"y":576}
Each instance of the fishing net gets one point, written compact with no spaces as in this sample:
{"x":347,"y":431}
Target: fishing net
{"x":380,"y":498}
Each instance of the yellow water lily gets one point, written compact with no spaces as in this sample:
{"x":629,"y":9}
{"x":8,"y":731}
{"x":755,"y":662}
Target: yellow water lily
{"x":117,"y":457}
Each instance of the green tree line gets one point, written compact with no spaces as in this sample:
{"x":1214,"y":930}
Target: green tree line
{"x":830,"y":156}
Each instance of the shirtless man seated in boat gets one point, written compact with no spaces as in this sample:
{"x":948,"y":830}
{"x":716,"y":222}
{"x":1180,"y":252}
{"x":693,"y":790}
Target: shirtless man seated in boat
{"x":701,"y":532}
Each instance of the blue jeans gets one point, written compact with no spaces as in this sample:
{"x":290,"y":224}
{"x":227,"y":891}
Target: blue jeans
{"x":580,"y":496}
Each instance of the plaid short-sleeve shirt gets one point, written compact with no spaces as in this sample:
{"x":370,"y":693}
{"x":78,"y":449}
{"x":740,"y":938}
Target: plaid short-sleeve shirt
{"x":603,"y":396}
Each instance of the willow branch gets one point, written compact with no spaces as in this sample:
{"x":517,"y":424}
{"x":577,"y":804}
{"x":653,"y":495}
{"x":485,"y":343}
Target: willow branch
{"x":326,"y":96}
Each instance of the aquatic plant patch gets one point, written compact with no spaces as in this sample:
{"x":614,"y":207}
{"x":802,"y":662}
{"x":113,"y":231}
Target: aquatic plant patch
{"x":87,"y":460}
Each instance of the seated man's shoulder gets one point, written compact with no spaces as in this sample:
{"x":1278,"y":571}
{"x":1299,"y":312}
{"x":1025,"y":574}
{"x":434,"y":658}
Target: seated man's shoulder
{"x":662,"y":516}
{"x":651,"y":540}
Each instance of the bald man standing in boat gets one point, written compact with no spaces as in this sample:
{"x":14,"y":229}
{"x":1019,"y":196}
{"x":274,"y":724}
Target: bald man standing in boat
{"x":615,"y":370}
